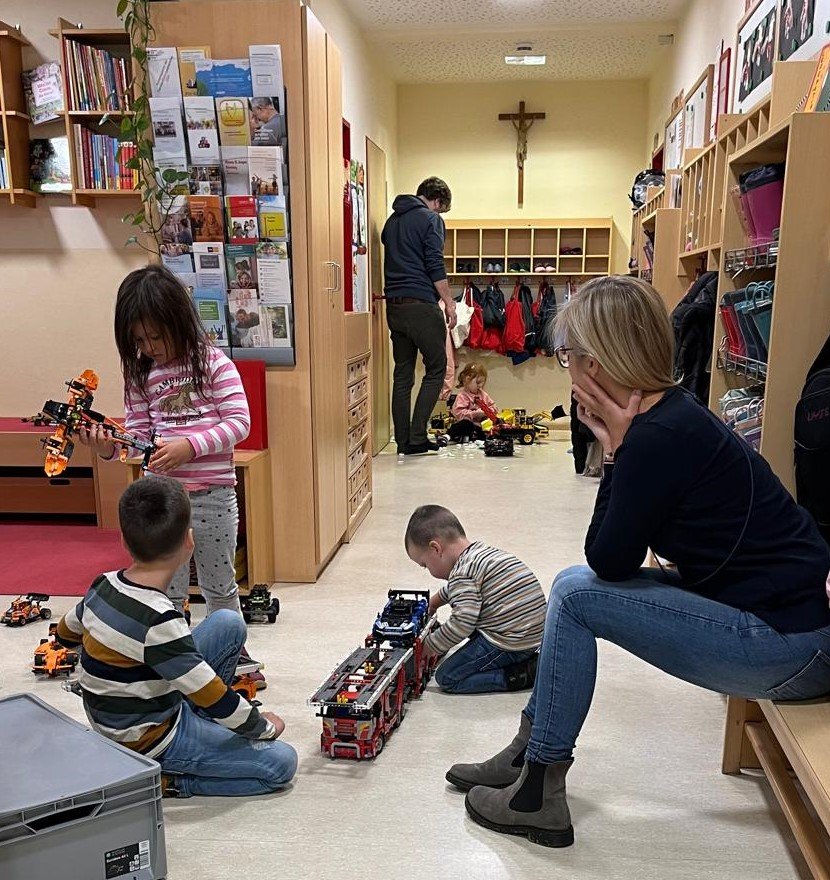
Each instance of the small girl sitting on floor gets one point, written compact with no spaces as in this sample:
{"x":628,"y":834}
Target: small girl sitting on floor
{"x":472,"y":405}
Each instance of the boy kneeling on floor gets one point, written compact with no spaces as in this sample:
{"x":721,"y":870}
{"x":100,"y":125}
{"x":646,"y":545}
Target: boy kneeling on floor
{"x":497,"y":605}
{"x":139,"y":661}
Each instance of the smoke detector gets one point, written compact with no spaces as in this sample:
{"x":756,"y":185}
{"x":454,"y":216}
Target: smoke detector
{"x":524,"y":56}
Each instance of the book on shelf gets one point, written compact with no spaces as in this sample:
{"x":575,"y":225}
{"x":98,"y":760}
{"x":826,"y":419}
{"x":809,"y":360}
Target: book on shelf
{"x":206,"y":216}
{"x":96,"y":79}
{"x":235,"y":171}
{"x":49,"y":165}
{"x":169,"y":162}
{"x":241,"y":213}
{"x":168,"y":128}
{"x":101,"y":161}
{"x":266,"y":70}
{"x":176,"y":228}
{"x":267,"y":124}
{"x":812,"y":100}
{"x":178,"y":258}
{"x":223,"y":78}
{"x":43,"y":88}
{"x":202,"y":136}
{"x":4,"y":171}
{"x":163,"y":72}
{"x":245,"y":319}
{"x":274,"y":271}
{"x":265,"y":171}
{"x":273,"y":218}
{"x":188,"y":56}
{"x":211,"y":306}
{"x":206,"y":180}
{"x":234,"y":124}
{"x":209,"y":262}
{"x":242,"y":266}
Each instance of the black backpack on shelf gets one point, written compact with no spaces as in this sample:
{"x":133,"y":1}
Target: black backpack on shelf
{"x":642,"y":182}
{"x":812,"y":443}
{"x":492,"y":306}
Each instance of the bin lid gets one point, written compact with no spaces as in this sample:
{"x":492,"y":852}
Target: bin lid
{"x":45,"y":755}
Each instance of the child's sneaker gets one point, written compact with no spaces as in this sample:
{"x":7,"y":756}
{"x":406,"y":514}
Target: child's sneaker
{"x":252,"y":668}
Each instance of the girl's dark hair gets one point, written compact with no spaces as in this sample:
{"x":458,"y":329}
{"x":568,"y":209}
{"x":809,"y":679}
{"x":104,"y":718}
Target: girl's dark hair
{"x":153,"y":295}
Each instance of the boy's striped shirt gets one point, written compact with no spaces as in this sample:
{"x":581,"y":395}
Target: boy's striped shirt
{"x":213,"y":421}
{"x":495,"y":594}
{"x":138,"y":661}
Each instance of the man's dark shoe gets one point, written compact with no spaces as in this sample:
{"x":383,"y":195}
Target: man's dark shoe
{"x":534,"y":806}
{"x":521,"y":676}
{"x":427,"y":448}
{"x":499,"y":771}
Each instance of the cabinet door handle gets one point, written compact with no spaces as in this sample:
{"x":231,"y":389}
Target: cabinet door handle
{"x":329,"y":264}
{"x":338,"y":276}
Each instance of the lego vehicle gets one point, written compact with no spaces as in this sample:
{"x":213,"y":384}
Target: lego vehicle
{"x":244,"y":684}
{"x":259,"y":606}
{"x":519,"y":427}
{"x":402,"y":618}
{"x":25,"y":609}
{"x":52,"y":658}
{"x":365,"y":698}
{"x":498,"y":447}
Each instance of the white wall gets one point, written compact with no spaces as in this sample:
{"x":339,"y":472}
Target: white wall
{"x":696,"y":44}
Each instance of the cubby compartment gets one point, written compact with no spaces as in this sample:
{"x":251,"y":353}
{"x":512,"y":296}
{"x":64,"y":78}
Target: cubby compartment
{"x":545,"y":241}
{"x":597,"y":242}
{"x":467,"y":242}
{"x":519,"y":242}
{"x":570,"y":266}
{"x":596,"y":266}
{"x":493,"y":242}
{"x":571,"y":241}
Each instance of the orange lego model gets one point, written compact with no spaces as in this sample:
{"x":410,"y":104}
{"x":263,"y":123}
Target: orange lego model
{"x":51,"y":658}
{"x":25,"y":609}
{"x":245,"y":685}
{"x":67,"y":417}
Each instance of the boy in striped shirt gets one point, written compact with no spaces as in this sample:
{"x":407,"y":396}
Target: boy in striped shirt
{"x":497,"y":605}
{"x":153,"y":686}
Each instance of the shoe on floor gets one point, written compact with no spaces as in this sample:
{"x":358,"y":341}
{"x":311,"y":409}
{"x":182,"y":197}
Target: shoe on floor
{"x":427,"y":448}
{"x":534,"y":806}
{"x":246,"y":665}
{"x":168,"y":786}
{"x":521,"y":676}
{"x":499,"y":771}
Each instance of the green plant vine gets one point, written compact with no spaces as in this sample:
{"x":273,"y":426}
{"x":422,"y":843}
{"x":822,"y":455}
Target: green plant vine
{"x":157,"y":187}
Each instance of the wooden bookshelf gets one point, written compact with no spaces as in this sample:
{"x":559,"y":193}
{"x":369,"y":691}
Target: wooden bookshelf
{"x":14,"y":120}
{"x":100,"y":122}
{"x":801,"y":307}
{"x":473,"y":244}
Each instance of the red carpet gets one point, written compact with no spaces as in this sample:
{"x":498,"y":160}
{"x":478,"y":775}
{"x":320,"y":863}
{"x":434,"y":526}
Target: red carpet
{"x":59,"y":560}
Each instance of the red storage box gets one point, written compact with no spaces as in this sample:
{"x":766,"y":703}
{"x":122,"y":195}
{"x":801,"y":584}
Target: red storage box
{"x":252,"y":374}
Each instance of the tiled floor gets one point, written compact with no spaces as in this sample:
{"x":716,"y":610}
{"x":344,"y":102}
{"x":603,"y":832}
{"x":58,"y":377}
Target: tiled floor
{"x":646,"y":793}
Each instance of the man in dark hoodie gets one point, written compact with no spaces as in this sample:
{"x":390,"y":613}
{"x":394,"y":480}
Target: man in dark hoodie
{"x":415,"y":282}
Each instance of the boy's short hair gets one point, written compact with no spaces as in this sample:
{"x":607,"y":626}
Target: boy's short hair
{"x":435,"y":188}
{"x":432,"y":521}
{"x":154,"y":515}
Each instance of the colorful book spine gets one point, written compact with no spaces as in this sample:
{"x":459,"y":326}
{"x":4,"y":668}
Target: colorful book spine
{"x":97,"y":80}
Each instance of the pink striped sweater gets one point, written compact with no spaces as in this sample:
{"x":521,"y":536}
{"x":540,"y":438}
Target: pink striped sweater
{"x":213,"y":421}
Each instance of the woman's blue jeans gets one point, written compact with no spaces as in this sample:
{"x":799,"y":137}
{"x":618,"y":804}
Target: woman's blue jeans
{"x":207,"y":758}
{"x":690,"y":637}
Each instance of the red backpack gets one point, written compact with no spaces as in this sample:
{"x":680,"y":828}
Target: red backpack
{"x":513,"y":339}
{"x":476,"y":334}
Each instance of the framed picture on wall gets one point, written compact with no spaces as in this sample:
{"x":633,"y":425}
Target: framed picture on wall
{"x":697,"y":111}
{"x":803,"y":29}
{"x":756,"y":54}
{"x":673,"y":144}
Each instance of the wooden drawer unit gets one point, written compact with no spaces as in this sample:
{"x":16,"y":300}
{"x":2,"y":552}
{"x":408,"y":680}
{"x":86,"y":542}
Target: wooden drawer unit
{"x":359,"y":477}
{"x":357,"y":434}
{"x":358,"y":413}
{"x":357,"y":456}
{"x":356,"y":501}
{"x":355,"y":370}
{"x":358,"y":391}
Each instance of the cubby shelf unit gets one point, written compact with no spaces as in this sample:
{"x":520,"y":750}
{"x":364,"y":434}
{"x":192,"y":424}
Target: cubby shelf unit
{"x":531,"y":243}
{"x":14,"y":120}
{"x":801,"y":306}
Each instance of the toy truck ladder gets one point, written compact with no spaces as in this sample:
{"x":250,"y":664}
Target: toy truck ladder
{"x":370,"y":686}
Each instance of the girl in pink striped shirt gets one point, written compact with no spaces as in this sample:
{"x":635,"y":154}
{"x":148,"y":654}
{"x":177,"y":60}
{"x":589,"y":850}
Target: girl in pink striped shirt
{"x":189,"y":393}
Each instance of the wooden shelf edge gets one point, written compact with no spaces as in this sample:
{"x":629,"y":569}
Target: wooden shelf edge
{"x":12,"y":33}
{"x":16,"y":114}
{"x":760,"y":141}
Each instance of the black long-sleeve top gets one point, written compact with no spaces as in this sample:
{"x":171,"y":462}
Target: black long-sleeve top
{"x":681,"y":486}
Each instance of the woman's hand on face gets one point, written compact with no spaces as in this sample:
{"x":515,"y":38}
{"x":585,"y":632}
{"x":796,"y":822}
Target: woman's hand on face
{"x":614,"y":420}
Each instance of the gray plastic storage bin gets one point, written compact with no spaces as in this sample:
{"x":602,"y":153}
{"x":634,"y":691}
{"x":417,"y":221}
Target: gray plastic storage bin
{"x":73,"y":804}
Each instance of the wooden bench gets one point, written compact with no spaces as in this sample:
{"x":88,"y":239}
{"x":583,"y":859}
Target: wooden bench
{"x":784,"y":739}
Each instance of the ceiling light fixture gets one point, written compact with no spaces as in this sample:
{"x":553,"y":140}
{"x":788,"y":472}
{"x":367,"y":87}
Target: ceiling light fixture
{"x":524,"y":56}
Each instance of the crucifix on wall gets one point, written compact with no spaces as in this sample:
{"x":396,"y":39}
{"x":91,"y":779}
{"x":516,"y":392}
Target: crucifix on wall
{"x":522,"y":122}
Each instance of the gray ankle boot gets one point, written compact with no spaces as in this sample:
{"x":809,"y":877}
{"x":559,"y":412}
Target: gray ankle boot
{"x":499,"y":771}
{"x":534,"y":806}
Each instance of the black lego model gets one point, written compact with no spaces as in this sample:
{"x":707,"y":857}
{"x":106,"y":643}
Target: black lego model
{"x":498,"y":447}
{"x":259,"y":606}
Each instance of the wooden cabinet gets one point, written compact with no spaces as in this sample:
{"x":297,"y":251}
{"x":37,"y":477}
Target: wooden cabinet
{"x":14,"y":119}
{"x":358,"y":419}
{"x":307,"y":417}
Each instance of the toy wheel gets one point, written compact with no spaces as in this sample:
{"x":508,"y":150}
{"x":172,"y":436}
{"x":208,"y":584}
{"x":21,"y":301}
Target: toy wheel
{"x":276,"y":604}
{"x":272,"y":615}
{"x":246,"y":616}
{"x":46,"y":613}
{"x":527,"y":439}
{"x":39,"y":661}
{"x":379,"y":745}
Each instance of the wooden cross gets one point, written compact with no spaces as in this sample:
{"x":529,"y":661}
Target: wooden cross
{"x":521,"y":122}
